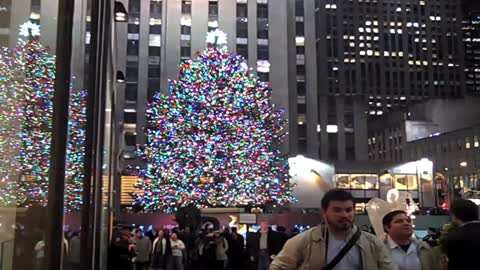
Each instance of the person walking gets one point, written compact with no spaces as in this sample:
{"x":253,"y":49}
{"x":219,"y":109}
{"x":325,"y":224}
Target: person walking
{"x":178,"y":250}
{"x":236,"y":248}
{"x":221,"y":251}
{"x":159,"y":246}
{"x":263,"y":246}
{"x":74,"y":254}
{"x":407,"y":252}
{"x":336,"y":244}
{"x":142,"y":250}
{"x":462,"y":245}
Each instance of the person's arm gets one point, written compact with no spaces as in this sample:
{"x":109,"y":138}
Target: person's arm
{"x":149,"y":246}
{"x":181,"y":245}
{"x":291,"y":256}
{"x":384,"y":261}
{"x":225,"y":244}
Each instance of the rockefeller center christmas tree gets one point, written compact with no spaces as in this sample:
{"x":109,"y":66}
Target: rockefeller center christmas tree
{"x":210,"y":140}
{"x":27,"y":75}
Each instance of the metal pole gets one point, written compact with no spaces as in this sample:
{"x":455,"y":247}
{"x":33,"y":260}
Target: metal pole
{"x":56,"y":184}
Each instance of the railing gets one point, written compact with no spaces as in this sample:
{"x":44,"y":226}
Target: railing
{"x":6,"y":255}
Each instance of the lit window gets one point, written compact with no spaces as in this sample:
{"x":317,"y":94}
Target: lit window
{"x":319,"y":128}
{"x":263,"y":66}
{"x":155,"y":40}
{"x":369,"y":52}
{"x":332,"y":129}
{"x":300,"y":41}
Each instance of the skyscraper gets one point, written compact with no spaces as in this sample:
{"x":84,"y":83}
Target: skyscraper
{"x":373,"y":56}
{"x":471,"y":39}
{"x":332,"y":65}
{"x":160,"y":34}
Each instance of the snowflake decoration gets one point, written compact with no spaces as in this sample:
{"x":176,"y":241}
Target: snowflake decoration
{"x":30,"y":29}
{"x":216,"y":37}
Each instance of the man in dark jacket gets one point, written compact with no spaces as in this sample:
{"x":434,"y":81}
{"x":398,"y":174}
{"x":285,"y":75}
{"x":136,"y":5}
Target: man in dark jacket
{"x":263,"y":246}
{"x":236,"y":246}
{"x":462,"y":245}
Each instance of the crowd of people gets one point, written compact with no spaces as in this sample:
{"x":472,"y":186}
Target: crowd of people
{"x":181,"y":249}
{"x":337,"y":243}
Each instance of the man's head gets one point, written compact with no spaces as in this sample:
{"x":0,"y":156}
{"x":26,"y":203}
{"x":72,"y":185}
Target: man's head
{"x":464,"y":211}
{"x":398,"y":225}
{"x":338,"y":209}
{"x":264,"y":226}
{"x":234,"y":230}
{"x":174,"y":236}
{"x":138,"y":233}
{"x":431,"y":231}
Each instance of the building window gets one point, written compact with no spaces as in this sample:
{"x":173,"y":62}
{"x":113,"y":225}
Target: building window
{"x":130,"y":117}
{"x":130,"y":139}
{"x":186,"y":7}
{"x":242,"y":50}
{"x":131,"y":92}
{"x":467,"y":143}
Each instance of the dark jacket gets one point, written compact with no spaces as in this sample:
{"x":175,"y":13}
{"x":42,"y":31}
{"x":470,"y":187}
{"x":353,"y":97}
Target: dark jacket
{"x":273,"y":244}
{"x":462,"y":246}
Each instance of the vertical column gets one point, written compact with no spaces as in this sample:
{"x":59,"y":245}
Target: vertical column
{"x":227,"y":16}
{"x":48,"y":23}
{"x":360,"y":127}
{"x":19,"y":14}
{"x":170,"y":41}
{"x":341,"y":127}
{"x":120,"y":56}
{"x":78,"y":44}
{"x":281,"y":71}
{"x":252,"y":34}
{"x":142,"y":92}
{"x":199,"y":25}
{"x":323,"y":86}
{"x":311,"y":82}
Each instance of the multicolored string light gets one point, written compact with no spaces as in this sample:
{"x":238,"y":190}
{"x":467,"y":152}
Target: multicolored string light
{"x":27,"y":75}
{"x":210,"y":140}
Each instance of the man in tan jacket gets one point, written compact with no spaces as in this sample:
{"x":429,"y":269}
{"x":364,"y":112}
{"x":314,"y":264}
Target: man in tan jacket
{"x":407,"y":252}
{"x":317,"y":248}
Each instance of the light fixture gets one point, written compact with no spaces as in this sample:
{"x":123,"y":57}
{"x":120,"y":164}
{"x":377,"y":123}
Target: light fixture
{"x":120,"y":77}
{"x":463,"y":164}
{"x":121,"y":14}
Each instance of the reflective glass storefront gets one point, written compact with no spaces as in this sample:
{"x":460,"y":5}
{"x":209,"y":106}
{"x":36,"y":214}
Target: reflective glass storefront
{"x":56,"y":140}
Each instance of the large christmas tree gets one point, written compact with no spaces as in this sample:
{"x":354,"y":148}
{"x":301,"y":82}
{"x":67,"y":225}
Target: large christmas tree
{"x":210,"y":140}
{"x":27,"y":75}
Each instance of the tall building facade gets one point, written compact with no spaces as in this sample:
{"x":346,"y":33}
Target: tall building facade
{"x":162,"y":33}
{"x":374,"y":56}
{"x":471,"y":39}
{"x":333,"y":65}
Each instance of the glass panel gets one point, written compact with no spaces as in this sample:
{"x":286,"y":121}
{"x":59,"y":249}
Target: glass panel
{"x":358,"y":181}
{"x":343,"y":181}
{"x":28,"y":72}
{"x":371,"y":182}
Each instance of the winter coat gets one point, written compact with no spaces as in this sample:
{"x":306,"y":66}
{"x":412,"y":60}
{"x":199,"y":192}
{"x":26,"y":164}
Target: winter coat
{"x":306,"y":251}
